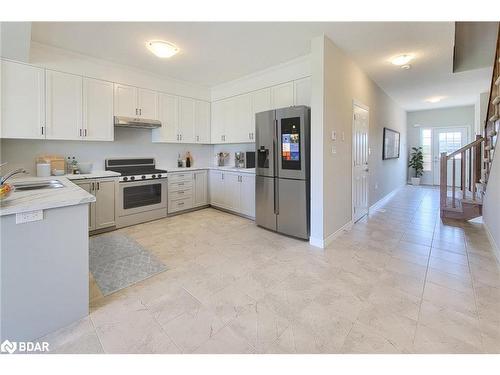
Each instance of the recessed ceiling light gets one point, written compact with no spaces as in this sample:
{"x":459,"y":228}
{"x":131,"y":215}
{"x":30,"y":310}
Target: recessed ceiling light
{"x":406,"y":66}
{"x":402,"y":59}
{"x":435,"y":99}
{"x":162,"y":49}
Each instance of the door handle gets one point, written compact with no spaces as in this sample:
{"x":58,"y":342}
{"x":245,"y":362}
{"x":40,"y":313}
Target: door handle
{"x":276,"y":197}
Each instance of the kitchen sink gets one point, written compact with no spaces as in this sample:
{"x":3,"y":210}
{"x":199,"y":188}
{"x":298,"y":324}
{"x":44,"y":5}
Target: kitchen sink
{"x":35,"y":185}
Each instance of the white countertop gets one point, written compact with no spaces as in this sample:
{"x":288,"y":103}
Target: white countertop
{"x":93,"y":174}
{"x":43,"y":199}
{"x":225,"y":168}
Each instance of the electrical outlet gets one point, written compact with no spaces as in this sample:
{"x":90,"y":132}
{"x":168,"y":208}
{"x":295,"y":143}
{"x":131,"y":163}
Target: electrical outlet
{"x":334,"y":150}
{"x":334,"y":135}
{"x":29,"y":216}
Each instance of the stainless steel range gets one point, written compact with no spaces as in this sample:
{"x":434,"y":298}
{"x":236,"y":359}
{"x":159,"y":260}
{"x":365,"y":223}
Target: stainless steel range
{"x":142,"y":190}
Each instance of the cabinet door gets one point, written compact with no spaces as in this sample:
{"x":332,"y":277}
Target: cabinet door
{"x":147,"y":103}
{"x":168,"y":114}
{"x":231,"y":191}
{"x":186,"y":120}
{"x":239,"y":127}
{"x":216,"y":185}
{"x":97,"y":110}
{"x":247,"y":195}
{"x":22,"y":101}
{"x":302,"y":91}
{"x":202,"y":122}
{"x":125,"y":101}
{"x":229,"y":120}
{"x":63,"y":105}
{"x":217,"y":123}
{"x":105,"y":204}
{"x":200,"y":188}
{"x":261,"y":101}
{"x":282,"y":95}
{"x":87,"y":186}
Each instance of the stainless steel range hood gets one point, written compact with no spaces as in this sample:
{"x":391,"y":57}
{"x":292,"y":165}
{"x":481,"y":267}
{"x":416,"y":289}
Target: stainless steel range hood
{"x":133,"y":122}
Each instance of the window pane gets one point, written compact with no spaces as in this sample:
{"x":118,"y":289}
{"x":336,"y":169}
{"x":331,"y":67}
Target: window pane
{"x":426,"y":142}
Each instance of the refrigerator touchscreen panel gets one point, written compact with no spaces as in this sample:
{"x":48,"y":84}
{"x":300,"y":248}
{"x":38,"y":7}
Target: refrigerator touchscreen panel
{"x":290,"y":143}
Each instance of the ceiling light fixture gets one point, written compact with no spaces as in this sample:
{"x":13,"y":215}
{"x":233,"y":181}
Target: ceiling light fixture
{"x":162,"y":49}
{"x":402,"y":59}
{"x":435,"y":99}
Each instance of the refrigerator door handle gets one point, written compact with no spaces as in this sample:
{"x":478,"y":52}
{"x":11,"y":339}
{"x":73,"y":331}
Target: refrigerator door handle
{"x":276,"y":197}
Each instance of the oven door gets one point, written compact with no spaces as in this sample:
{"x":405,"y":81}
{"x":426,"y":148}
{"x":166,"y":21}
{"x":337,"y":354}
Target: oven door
{"x":141,"y":196}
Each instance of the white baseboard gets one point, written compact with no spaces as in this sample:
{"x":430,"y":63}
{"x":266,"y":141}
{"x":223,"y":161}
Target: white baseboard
{"x":322,"y":243}
{"x":383,"y":200}
{"x":494,"y":245}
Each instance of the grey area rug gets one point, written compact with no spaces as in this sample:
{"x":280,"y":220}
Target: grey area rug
{"x":117,"y":261}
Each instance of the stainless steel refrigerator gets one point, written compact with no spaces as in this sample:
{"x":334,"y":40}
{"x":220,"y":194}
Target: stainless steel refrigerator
{"x":282,"y":171}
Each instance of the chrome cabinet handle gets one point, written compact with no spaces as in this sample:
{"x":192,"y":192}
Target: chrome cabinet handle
{"x":98,"y":186}
{"x":84,"y":132}
{"x":92,"y":187}
{"x":80,"y":132}
{"x":42,"y":129}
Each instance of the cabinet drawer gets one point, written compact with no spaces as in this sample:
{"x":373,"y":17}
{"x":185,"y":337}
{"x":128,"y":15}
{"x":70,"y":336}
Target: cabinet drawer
{"x":179,"y":204}
{"x":177,"y":177}
{"x":181,"y":194}
{"x":181,"y":185}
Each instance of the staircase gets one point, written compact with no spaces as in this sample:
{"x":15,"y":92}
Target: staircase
{"x":471,"y":164}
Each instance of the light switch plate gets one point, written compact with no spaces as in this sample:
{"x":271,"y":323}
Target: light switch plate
{"x":334,"y":135}
{"x":334,"y":150}
{"x":29,"y":216}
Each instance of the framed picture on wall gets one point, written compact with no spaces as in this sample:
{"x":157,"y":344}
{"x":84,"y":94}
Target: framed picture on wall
{"x":390,"y":148}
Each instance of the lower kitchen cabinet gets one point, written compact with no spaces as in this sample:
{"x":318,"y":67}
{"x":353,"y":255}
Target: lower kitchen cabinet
{"x":187,"y":190}
{"x":102,"y":211}
{"x":233,"y":191}
{"x":200,"y":188}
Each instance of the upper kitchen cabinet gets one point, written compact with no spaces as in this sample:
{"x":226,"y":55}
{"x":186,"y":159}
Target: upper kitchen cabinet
{"x":135,"y":102}
{"x":22,"y":101}
{"x":63,"y":98}
{"x":168,"y":114}
{"x":232,"y":120}
{"x":186,"y":120}
{"x":147,"y":104}
{"x":302,"y":91}
{"x":97,"y":110}
{"x":261,"y":101}
{"x":202,"y":122}
{"x":282,"y":95}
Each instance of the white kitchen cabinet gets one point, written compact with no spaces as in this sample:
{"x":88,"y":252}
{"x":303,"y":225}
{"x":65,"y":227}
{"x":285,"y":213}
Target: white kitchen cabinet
{"x":202,"y":122}
{"x":180,"y":191}
{"x":247,"y":194}
{"x":302,"y":91}
{"x":216,"y":188}
{"x":97,"y":110}
{"x":233,"y":191}
{"x":147,"y":104}
{"x":168,"y":114}
{"x":102,"y":211}
{"x":261,"y":100}
{"x":200,"y":188}
{"x":131,"y":101}
{"x":63,"y":103}
{"x":125,"y":100}
{"x":282,"y":95}
{"x":217,"y":124}
{"x":22,"y":101}
{"x":186,"y":120}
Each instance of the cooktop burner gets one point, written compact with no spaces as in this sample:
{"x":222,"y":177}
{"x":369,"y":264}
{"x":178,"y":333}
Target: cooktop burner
{"x":136,"y":169}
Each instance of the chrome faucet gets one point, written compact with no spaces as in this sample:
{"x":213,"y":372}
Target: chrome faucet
{"x":10,"y":174}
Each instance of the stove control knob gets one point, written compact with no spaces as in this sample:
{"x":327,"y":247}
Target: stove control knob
{"x":132,"y":178}
{"x":125,"y":178}
{"x":143,"y":177}
{"x":153,"y":176}
{"x":159,"y":176}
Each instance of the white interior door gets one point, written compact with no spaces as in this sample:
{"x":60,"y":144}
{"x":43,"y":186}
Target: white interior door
{"x":448,"y":140}
{"x":360,"y":162}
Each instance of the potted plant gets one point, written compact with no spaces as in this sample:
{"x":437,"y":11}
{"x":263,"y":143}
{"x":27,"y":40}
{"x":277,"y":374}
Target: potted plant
{"x":417,"y":163}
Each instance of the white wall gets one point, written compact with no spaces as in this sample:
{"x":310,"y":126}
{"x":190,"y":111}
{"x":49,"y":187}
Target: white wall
{"x":337,"y":81}
{"x":491,"y":205}
{"x":480,"y":112}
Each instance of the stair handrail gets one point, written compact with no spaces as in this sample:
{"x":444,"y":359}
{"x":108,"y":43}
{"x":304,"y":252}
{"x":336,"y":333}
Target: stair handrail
{"x":465,"y":148}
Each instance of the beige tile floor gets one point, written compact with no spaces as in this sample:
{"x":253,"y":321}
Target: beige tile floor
{"x":400,"y":281}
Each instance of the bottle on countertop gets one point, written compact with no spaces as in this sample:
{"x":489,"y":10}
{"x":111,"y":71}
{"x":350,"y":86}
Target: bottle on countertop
{"x":68,"y":166}
{"x":179,"y":161}
{"x":188,"y":159}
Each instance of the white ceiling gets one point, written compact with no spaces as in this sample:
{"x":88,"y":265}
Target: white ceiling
{"x":214,"y":53}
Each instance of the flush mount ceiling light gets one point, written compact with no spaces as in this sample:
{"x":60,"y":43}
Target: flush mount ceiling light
{"x":402,"y":60}
{"x":435,"y":99}
{"x":162,"y":49}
